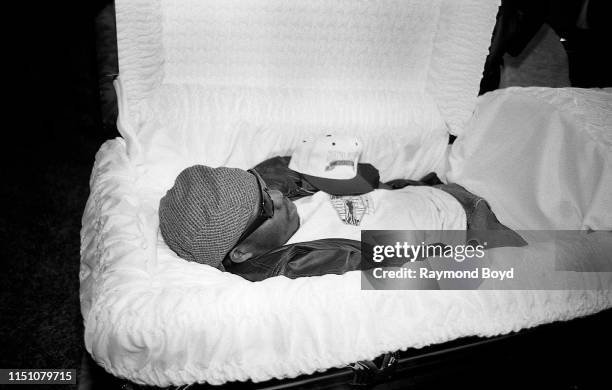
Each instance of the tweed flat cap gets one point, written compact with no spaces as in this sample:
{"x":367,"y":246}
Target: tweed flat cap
{"x":202,"y":216}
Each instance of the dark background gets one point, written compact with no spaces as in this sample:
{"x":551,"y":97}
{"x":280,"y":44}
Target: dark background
{"x":53,"y":127}
{"x":52,"y":130}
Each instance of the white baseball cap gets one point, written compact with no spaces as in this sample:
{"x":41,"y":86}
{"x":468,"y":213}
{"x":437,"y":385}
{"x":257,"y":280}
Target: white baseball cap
{"x":331,"y":163}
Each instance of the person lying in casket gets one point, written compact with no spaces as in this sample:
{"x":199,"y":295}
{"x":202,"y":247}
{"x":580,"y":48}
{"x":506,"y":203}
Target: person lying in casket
{"x":303,"y":215}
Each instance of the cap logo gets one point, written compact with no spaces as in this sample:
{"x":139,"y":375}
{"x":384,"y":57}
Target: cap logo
{"x":334,"y":164}
{"x":339,"y":158}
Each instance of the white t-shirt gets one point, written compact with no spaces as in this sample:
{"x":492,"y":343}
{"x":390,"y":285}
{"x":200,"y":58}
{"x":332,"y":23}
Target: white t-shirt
{"x":409,"y":208}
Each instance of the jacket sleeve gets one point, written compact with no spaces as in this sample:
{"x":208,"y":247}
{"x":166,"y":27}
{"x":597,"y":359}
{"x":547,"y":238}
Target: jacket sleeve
{"x":312,"y":258}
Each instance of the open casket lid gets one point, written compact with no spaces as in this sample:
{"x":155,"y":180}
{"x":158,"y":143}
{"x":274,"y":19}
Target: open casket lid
{"x":436,"y":47}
